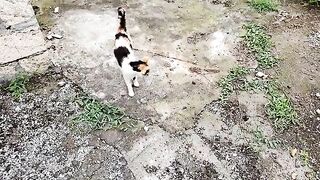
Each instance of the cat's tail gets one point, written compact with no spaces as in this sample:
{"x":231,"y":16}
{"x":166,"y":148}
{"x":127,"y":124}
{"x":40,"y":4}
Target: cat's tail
{"x":122,"y":17}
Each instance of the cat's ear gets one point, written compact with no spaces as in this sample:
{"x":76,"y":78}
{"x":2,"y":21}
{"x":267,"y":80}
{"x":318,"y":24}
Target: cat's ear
{"x":146,"y":60}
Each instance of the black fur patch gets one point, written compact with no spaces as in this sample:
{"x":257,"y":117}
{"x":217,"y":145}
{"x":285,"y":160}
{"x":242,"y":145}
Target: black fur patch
{"x":135,"y":65}
{"x":120,"y":13}
{"x":121,"y":34}
{"x":120,"y":53}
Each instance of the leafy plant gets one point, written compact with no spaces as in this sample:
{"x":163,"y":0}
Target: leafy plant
{"x":260,"y":139}
{"x":259,"y":43}
{"x":253,"y":85}
{"x":98,"y":115}
{"x":279,"y":108}
{"x":227,"y":83}
{"x":264,"y":5}
{"x":314,"y":2}
{"x":18,"y":86}
{"x":304,"y":156}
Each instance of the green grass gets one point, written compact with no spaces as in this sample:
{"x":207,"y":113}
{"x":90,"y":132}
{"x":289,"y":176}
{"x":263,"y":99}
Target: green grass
{"x":264,"y":5}
{"x":316,"y":2}
{"x":305,"y":157}
{"x":279,"y":108}
{"x":97,"y":114}
{"x":227,"y":83}
{"x":260,"y":139}
{"x":259,"y":43}
{"x":253,"y":85}
{"x":18,"y":85}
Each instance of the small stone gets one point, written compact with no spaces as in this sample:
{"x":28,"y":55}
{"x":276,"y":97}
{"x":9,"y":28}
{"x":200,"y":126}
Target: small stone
{"x":194,"y":83}
{"x":58,"y":36}
{"x":17,"y":109}
{"x":318,"y":95}
{"x":318,"y":111}
{"x":293,"y":152}
{"x":49,"y":37}
{"x":56,"y":10}
{"x":123,"y":93}
{"x":61,"y":83}
{"x":143,"y":101}
{"x":260,"y":75}
{"x":294,"y":175}
{"x":146,"y":128}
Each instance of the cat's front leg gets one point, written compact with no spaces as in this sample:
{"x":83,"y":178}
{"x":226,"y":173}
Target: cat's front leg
{"x":128,"y":82}
{"x":135,"y":82}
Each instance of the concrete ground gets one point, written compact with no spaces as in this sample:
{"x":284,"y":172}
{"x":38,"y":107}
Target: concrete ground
{"x":182,"y":132}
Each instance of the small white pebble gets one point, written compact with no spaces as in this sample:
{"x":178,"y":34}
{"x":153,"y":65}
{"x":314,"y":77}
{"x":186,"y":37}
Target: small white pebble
{"x":260,"y":74}
{"x":61,"y":83}
{"x":57,"y":36}
{"x":56,"y":10}
{"x":318,"y":111}
{"x":49,"y":37}
{"x":294,"y":175}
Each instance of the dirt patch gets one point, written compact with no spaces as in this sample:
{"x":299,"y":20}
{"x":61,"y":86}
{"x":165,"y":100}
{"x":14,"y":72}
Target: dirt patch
{"x":37,"y":143}
{"x":300,"y":53}
{"x":185,"y":167}
{"x":232,"y":112}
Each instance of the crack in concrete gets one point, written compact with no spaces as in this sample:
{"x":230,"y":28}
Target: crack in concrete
{"x":26,"y":57}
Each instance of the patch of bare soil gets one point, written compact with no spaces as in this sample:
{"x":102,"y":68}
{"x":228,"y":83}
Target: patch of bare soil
{"x":243,"y":159}
{"x":36,"y":142}
{"x":295,"y":32}
{"x":185,"y":167}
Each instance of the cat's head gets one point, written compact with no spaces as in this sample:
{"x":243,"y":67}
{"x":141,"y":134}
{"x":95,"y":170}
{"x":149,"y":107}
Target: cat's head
{"x":141,"y":66}
{"x":144,"y":67}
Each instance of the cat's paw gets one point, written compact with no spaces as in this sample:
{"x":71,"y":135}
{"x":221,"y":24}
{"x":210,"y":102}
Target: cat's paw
{"x":136,"y":84}
{"x":131,"y":94}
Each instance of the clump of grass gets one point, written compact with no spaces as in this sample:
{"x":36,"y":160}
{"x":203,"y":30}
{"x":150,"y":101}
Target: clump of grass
{"x":18,"y":85}
{"x":316,"y":2}
{"x":264,"y":5}
{"x":227,"y":83}
{"x":279,"y":108}
{"x":259,"y":43}
{"x":260,"y":139}
{"x":304,"y":156}
{"x":97,"y":114}
{"x":253,"y":85}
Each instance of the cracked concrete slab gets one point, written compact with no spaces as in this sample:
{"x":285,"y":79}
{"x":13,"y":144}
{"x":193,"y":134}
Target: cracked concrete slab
{"x":181,"y":78}
{"x":182,"y":133}
{"x":21,"y":36}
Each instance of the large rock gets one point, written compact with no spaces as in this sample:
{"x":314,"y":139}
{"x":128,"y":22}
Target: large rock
{"x":20,"y":35}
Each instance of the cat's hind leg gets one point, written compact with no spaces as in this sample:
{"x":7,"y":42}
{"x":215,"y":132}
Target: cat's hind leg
{"x":135,"y":82}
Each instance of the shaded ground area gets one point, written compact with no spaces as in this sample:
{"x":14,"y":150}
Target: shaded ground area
{"x":37,"y":143}
{"x":180,"y":129}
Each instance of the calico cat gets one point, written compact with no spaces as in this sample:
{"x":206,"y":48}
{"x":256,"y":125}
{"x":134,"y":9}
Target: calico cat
{"x":123,"y":51}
